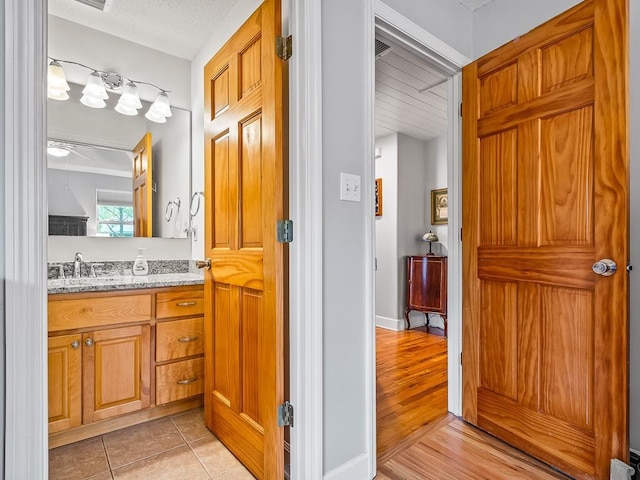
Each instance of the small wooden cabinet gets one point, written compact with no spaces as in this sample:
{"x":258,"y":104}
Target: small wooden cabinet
{"x":427,"y":286}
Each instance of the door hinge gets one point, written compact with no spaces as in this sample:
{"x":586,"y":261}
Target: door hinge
{"x":285,"y":415}
{"x":284,"y":46}
{"x":285,"y":231}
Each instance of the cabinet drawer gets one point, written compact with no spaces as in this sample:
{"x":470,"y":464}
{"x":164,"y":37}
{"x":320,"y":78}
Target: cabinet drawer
{"x":180,"y":304}
{"x":98,"y":311}
{"x":179,"y":338}
{"x":179,"y":380}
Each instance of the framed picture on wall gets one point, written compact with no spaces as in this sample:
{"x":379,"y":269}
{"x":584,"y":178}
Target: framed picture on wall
{"x":439,"y":207}
{"x":378,"y":191}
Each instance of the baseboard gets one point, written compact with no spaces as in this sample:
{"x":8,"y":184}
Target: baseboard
{"x":356,"y":468}
{"x":389,"y":323}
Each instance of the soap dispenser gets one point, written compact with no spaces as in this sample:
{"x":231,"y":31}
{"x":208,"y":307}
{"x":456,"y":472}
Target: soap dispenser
{"x":140,"y":266}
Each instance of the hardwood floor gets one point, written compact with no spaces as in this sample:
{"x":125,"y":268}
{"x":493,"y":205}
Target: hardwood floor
{"x":450,"y":449}
{"x":411,"y":386}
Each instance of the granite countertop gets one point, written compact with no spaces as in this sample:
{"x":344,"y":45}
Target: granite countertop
{"x":122,"y":282}
{"x":112,"y":276}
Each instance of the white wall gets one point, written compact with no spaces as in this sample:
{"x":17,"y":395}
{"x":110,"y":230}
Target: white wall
{"x":501,"y":21}
{"x":234,"y":19}
{"x":96,"y":249}
{"x":387,"y":274}
{"x":2,"y":272}
{"x":437,"y":178}
{"x":448,"y":20}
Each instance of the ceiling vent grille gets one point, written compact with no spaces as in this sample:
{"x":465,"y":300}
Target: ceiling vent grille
{"x":102,"y":5}
{"x":381,"y":48}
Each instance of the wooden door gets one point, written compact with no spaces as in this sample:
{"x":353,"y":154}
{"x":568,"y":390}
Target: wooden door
{"x":545,"y":189}
{"x":65,"y":382}
{"x":245,"y":289}
{"x":143,"y":188}
{"x":116,"y":371}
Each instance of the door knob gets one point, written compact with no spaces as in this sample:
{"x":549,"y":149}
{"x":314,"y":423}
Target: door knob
{"x":88,"y":342}
{"x":605,"y":267}
{"x":206,"y":264}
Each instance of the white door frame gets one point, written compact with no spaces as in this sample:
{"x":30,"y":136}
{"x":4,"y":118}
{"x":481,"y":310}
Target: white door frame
{"x":415,"y":37}
{"x":25,"y":239}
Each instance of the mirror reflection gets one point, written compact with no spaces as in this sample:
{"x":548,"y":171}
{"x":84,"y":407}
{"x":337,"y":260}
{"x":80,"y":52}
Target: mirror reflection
{"x":91,"y":160}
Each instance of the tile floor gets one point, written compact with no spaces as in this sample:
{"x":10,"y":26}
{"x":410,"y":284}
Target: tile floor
{"x":171,"y":448}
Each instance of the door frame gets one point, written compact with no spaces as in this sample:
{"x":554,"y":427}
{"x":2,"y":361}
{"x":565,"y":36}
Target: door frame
{"x":414,"y":37}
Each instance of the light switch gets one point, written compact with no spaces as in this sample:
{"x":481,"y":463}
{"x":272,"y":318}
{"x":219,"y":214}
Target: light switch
{"x":349,"y":187}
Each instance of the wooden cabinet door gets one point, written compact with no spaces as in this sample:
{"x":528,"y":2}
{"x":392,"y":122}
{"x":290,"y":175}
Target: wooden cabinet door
{"x":116,"y":371}
{"x":65,"y":382}
{"x":143,"y":188}
{"x":545,"y":189}
{"x":245,"y":184}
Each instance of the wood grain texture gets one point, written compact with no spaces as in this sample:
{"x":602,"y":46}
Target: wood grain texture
{"x":178,"y":380}
{"x":220,"y":92}
{"x":179,"y":338}
{"x":65,"y":382}
{"x":499,"y":89}
{"x":87,"y":312}
{"x":142,"y":187}
{"x":561,"y":394}
{"x":454,"y":450}
{"x":116,"y":372}
{"x":566,"y":161}
{"x":245,"y":289}
{"x":411,"y":378}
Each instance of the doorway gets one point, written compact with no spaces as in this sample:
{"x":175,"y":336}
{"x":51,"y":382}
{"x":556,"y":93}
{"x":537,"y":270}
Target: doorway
{"x":415,"y":44}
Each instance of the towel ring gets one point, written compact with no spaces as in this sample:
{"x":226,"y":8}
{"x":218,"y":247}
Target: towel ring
{"x":168,"y":211}
{"x":195,"y":196}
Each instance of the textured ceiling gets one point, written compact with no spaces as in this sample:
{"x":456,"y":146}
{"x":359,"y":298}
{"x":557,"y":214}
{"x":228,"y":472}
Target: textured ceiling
{"x":474,"y":4}
{"x":176,"y":27}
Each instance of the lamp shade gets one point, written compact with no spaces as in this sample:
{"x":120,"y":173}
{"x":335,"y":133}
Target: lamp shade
{"x":161,"y":105}
{"x":57,"y":151}
{"x":154,"y":117}
{"x":430,"y":237}
{"x":95,"y":88}
{"x":124,"y":110}
{"x":129,"y":97}
{"x":92,"y":102}
{"x":57,"y":86}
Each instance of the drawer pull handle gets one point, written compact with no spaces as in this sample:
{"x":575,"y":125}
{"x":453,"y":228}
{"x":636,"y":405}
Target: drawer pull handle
{"x":187,"y":381}
{"x":185,"y":304}
{"x":187,"y":339}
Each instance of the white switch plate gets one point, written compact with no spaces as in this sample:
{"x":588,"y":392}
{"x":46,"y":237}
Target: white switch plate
{"x":349,"y":187}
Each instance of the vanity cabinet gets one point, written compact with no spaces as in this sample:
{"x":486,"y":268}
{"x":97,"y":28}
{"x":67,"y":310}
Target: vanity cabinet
{"x":65,"y":382}
{"x":113,"y":355}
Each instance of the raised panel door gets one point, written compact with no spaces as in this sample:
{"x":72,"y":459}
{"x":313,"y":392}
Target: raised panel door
{"x":116,"y":372}
{"x":65,"y":382}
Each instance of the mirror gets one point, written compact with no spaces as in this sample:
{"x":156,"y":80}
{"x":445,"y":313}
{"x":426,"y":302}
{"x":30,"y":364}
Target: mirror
{"x":90,"y":190}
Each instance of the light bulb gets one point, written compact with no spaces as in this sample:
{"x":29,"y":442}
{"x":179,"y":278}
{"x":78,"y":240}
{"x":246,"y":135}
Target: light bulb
{"x":57,"y":151}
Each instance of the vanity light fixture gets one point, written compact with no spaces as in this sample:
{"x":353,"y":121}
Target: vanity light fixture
{"x":95,"y":93}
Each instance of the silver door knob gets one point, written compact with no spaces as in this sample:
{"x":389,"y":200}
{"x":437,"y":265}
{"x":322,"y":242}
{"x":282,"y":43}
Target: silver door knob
{"x":605,"y":267}
{"x":88,"y":342}
{"x":206,"y":264}
{"x":75,"y":344}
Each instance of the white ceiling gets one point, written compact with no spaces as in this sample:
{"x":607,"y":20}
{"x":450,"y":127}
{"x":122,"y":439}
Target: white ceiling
{"x":176,"y":27}
{"x":474,"y":4}
{"x":400,"y":104}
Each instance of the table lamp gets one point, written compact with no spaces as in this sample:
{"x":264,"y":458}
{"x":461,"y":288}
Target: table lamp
{"x":430,"y":237}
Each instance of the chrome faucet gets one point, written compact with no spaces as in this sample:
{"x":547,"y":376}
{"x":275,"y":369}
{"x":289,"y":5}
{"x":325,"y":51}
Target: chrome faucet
{"x":77,"y":265}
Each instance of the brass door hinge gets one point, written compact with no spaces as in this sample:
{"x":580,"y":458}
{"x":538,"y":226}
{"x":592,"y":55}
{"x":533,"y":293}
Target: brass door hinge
{"x":284,"y":46}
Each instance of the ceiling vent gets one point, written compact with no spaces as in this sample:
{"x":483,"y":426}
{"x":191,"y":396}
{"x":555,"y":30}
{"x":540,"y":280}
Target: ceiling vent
{"x":102,"y":5}
{"x":381,"y":48}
